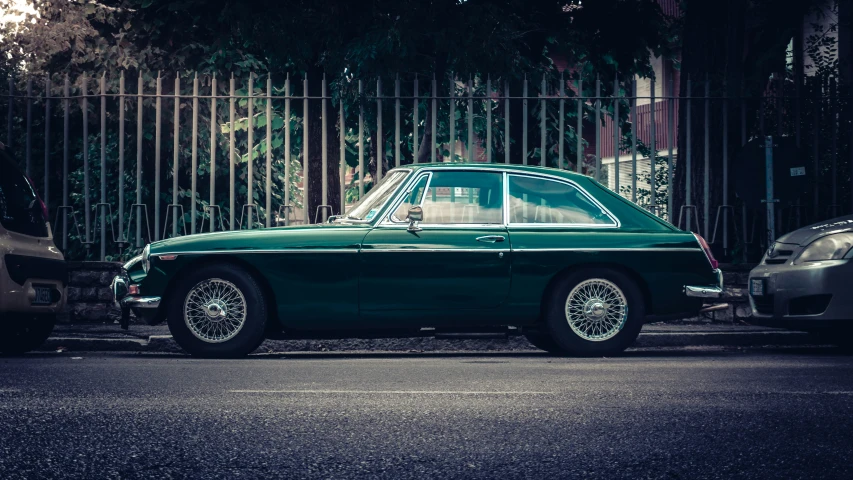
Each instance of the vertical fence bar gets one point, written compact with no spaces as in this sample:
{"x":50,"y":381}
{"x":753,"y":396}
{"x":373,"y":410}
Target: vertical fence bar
{"x":157,"y":138}
{"x":725,"y":166}
{"x":688,"y":198}
{"x":489,"y":118}
{"x":415,"y":122}
{"x":250,"y":151}
{"x":343,"y":154}
{"x":29,"y":152}
{"x":324,"y":145}
{"x":268,"y":193}
{"x":742,"y":143}
{"x":66,"y":106}
{"x":46,"y":190}
{"x":360,"y":140}
{"x":562,"y":129}
{"x":706,"y":174}
{"x":524,"y":94}
{"x":121,"y":106}
{"x":84,"y":86}
{"x":507,"y":142}
{"x":579,"y":131}
{"x":380,"y":139}
{"x":101,"y":209}
{"x":433,"y":121}
{"x":470,"y":147}
{"x":212,"y":199}
{"x":816,"y":147}
{"x":597,"y":128}
{"x":833,"y":98}
{"x":653,"y":148}
{"x":176,"y":145}
{"x":305,"y":138}
{"x":287,"y":208}
{"x":543,"y":157}
{"x":670,"y":137}
{"x":10,"y":110}
{"x":194,"y":168}
{"x":232,"y":152}
{"x":616,"y":131}
{"x":451,"y":146}
{"x":138,"y":209}
{"x":397,"y":122}
{"x":633,"y":112}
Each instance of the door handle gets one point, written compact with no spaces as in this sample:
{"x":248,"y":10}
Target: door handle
{"x":491,"y":239}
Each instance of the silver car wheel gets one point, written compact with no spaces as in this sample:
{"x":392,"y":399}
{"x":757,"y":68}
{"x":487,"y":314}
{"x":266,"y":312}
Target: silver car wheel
{"x":215,"y":310}
{"x":596,"y":309}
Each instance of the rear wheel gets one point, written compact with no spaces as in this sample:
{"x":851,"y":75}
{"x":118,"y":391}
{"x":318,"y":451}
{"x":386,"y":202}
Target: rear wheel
{"x":24,"y":332}
{"x":595,"y":312}
{"x":218,"y":311}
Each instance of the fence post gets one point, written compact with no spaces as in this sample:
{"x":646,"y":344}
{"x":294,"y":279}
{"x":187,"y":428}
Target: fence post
{"x":524,"y":95}
{"x":101,"y":206}
{"x":380,"y":140}
{"x":470,"y":120}
{"x":250,"y":152}
{"x":670,"y":137}
{"x":769,"y":200}
{"x":287,"y":200}
{"x":452,"y":121}
{"x":579,"y":131}
{"x":561,"y":134}
{"x":46,"y":191}
{"x":66,"y":104}
{"x":543,"y":158}
{"x":343,"y":154}
{"x":397,"y":121}
{"x":489,"y":118}
{"x":157,"y":138}
{"x":85,"y":107}
{"x":634,"y":140}
{"x":415,"y":122}
{"x":175,"y":154}
{"x":360,"y":140}
{"x":597,"y":128}
{"x":653,"y":148}
{"x":433,"y":121}
{"x":194,"y":154}
{"x":120,"y":159}
{"x":616,"y":132}
{"x":305,"y":149}
{"x":324,"y":159}
{"x":688,"y":160}
{"x":507,"y":142}
{"x":213,"y":126}
{"x":706,"y":174}
{"x":138,"y":212}
{"x":268,"y":205}
{"x":816,"y":146}
{"x":232,"y":153}
{"x":29,"y":126}
{"x":11,"y":108}
{"x":833,"y":109}
{"x":726,"y":167}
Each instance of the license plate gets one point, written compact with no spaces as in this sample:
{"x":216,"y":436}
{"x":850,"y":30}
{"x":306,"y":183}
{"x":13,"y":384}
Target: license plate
{"x":756,"y":286}
{"x":42,"y":296}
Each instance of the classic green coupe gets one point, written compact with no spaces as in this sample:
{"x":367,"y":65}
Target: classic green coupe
{"x":433,"y":249}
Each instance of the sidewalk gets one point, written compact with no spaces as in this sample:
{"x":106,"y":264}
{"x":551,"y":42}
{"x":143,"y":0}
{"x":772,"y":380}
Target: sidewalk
{"x":144,"y":338}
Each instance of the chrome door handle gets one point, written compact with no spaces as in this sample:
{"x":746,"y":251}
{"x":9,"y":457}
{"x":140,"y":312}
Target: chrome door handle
{"x":491,"y":239}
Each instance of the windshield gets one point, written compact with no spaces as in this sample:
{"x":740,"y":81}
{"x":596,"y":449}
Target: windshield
{"x":372,"y":203}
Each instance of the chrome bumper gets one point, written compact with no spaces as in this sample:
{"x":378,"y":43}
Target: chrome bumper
{"x":706,"y":291}
{"x":140,"y":302}
{"x":120,"y":290}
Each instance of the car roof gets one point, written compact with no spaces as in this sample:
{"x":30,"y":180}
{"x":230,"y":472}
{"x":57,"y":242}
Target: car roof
{"x":499,"y":166}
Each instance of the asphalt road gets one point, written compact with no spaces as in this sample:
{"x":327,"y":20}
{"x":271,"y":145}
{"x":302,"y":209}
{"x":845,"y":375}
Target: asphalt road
{"x":762,"y":413}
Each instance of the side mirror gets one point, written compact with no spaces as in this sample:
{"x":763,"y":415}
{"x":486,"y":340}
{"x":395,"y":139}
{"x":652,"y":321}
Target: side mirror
{"x":416,"y":215}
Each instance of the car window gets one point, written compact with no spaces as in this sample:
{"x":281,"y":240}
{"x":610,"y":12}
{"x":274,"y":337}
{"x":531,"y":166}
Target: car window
{"x":540,"y":200}
{"x":464,"y":198}
{"x":413,"y":197}
{"x":369,"y":206}
{"x":20,"y":208}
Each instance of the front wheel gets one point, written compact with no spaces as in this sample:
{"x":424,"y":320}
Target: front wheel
{"x":218,"y":311}
{"x":22,"y":332}
{"x":595,"y":312}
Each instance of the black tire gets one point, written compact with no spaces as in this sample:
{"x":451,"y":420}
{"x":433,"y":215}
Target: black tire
{"x":245,"y":339}
{"x":573,"y":343}
{"x":24,"y":332}
{"x":543,"y":341}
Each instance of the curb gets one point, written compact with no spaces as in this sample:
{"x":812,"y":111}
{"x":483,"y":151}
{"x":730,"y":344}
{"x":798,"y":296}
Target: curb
{"x":165,"y":343}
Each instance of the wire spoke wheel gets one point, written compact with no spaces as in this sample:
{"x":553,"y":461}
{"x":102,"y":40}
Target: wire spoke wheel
{"x":596,"y":309}
{"x":215,"y":310}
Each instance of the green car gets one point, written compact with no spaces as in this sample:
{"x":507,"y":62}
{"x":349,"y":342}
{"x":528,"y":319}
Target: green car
{"x":433,"y":249}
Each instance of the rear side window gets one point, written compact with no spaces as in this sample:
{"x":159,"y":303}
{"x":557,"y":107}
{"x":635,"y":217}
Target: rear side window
{"x":20,"y":208}
{"x":541,"y":201}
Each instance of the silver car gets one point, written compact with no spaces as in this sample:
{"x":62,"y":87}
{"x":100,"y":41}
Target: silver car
{"x":805,"y":281}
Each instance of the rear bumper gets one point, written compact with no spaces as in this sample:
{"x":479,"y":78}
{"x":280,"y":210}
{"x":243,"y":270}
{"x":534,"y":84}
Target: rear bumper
{"x":706,"y":291}
{"x":811,"y":295}
{"x":146,"y":306}
{"x":18,"y":287}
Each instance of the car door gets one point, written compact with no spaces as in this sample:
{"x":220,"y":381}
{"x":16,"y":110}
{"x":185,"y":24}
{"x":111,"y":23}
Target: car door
{"x":458,"y":259}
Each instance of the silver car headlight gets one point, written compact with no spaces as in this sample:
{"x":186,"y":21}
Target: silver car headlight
{"x":146,"y":258}
{"x":830,"y":247}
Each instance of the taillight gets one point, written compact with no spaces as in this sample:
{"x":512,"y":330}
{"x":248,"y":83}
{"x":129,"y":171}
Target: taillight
{"x":713,"y":261}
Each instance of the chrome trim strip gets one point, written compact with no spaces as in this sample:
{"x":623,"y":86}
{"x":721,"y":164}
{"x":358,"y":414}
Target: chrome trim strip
{"x":441,"y":226}
{"x":140,"y":302}
{"x":702,"y":292}
{"x":621,"y":249}
{"x":283,"y":250}
{"x":436,"y":250}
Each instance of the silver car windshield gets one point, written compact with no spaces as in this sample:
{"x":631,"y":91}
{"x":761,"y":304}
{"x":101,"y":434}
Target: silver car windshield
{"x":369,"y":207}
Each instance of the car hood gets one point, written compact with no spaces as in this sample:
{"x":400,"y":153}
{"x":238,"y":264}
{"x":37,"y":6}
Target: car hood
{"x":808,"y":234}
{"x":300,"y":236}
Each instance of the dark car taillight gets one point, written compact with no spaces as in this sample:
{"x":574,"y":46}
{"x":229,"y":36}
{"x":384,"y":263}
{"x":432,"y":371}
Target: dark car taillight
{"x":713,"y":261}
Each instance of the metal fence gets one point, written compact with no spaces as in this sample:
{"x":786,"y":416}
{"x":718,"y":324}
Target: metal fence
{"x":462,"y":120}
